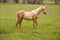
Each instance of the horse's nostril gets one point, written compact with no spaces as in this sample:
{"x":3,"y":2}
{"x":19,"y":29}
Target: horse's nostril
{"x":45,"y":13}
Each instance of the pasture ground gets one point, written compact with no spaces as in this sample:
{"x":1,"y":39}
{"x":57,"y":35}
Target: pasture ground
{"x":48,"y":25}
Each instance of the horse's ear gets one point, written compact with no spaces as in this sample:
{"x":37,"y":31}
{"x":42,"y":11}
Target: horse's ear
{"x":43,"y":6}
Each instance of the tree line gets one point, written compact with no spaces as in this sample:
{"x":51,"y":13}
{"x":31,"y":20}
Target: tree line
{"x":28,"y":1}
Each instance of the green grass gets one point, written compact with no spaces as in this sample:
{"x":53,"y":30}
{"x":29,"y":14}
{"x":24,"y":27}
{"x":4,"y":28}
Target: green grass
{"x":48,"y":25}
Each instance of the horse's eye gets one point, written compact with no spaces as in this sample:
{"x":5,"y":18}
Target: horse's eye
{"x":42,"y":9}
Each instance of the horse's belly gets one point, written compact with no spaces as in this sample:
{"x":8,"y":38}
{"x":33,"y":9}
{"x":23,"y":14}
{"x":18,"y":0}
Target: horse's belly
{"x":28,"y":16}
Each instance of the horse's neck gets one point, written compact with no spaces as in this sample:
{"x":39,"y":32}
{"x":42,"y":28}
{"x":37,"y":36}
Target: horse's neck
{"x":37,"y":11}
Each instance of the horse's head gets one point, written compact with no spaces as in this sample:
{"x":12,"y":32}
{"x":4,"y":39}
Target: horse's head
{"x":43,"y":10}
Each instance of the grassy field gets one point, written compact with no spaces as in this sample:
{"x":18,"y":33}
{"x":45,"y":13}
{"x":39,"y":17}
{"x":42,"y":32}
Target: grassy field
{"x":48,"y":25}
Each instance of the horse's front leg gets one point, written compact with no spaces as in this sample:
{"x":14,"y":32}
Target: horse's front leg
{"x":35,"y":23}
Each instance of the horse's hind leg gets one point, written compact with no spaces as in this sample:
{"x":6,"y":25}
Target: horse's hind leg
{"x":17,"y":23}
{"x":20,"y":21}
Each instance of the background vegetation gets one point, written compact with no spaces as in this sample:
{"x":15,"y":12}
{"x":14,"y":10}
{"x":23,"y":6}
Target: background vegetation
{"x":31,"y":1}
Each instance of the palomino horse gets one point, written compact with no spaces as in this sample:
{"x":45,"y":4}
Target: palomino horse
{"x":29,"y":15}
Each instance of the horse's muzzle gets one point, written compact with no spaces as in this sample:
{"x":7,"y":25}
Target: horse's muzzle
{"x":45,"y":13}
